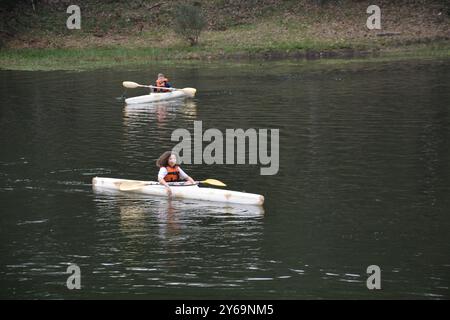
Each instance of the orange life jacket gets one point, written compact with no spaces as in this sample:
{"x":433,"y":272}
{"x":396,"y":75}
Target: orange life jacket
{"x":173,"y":174}
{"x":161,"y":83}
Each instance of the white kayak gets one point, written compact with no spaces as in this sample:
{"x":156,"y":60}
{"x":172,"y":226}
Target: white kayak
{"x":180,"y":191}
{"x":162,"y":96}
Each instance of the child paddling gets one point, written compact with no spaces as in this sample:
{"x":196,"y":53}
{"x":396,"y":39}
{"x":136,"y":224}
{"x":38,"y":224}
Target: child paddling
{"x":162,"y":81}
{"x":169,"y":171}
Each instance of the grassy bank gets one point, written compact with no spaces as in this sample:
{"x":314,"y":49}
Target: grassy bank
{"x":94,"y":58}
{"x":139,"y":32}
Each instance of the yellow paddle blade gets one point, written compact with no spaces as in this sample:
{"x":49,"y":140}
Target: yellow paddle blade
{"x":130,"y":84}
{"x":130,"y":185}
{"x":190,"y":92}
{"x":214,"y":182}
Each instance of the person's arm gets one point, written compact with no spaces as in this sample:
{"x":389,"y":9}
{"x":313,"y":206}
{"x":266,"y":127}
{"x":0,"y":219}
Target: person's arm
{"x":162,"y":173}
{"x":184,"y":176}
{"x":191,"y":181}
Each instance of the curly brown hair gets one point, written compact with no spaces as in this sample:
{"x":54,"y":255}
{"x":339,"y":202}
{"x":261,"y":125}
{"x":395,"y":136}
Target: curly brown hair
{"x":163,"y":160}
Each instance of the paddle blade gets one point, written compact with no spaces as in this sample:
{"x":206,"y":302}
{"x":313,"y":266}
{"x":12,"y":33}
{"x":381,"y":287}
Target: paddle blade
{"x":127,"y":186}
{"x":214,"y":182}
{"x":130,"y":84}
{"x":190,"y":92}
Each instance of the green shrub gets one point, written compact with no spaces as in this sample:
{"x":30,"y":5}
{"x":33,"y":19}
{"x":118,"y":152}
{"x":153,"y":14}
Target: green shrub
{"x":189,"y":23}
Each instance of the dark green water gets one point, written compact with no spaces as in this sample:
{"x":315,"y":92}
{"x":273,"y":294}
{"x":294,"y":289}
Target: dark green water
{"x":363,"y":180}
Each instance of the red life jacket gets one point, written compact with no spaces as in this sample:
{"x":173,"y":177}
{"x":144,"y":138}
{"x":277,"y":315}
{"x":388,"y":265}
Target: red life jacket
{"x":161,"y":83}
{"x":173,"y":174}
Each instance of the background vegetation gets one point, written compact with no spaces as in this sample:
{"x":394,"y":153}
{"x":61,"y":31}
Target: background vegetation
{"x":233,"y":29}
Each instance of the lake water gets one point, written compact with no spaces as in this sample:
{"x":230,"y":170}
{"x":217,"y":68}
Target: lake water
{"x":364,"y":179}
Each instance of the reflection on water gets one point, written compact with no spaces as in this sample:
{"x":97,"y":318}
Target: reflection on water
{"x":195,"y":207}
{"x":158,"y":112}
{"x":153,"y":117}
{"x":179,"y":244}
{"x":150,"y":124}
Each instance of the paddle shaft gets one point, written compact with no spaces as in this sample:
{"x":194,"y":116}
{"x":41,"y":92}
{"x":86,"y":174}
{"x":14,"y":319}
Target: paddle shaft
{"x":176,"y":184}
{"x":155,"y":87}
{"x":138,"y":185}
{"x":189,"y":92}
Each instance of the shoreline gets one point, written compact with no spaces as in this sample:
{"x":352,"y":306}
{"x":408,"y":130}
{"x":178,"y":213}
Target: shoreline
{"x":83,"y":59}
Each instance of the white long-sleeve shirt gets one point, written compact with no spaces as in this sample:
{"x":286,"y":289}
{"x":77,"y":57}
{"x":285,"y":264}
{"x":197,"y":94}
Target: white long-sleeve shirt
{"x":163,"y":172}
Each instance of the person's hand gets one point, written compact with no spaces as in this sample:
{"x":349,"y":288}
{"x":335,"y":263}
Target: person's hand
{"x":169,"y":191}
{"x":190,"y":181}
